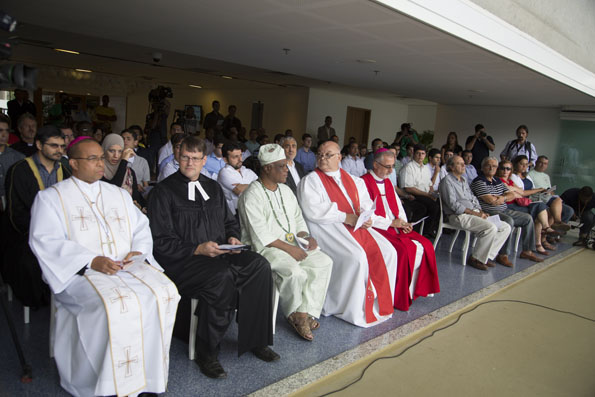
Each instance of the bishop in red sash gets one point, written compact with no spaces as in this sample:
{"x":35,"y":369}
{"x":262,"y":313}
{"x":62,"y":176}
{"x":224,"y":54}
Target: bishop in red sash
{"x":364,"y":263}
{"x":416,"y":268}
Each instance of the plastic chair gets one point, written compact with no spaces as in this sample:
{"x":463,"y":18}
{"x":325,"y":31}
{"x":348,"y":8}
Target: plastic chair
{"x":194,"y":321}
{"x":442,"y":225}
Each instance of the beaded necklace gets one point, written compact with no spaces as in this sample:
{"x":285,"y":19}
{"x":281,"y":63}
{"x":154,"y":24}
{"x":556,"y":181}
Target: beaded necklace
{"x":288,"y":235}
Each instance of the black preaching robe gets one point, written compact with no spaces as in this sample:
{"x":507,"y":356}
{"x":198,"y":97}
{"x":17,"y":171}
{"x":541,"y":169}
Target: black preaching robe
{"x":222,"y":284}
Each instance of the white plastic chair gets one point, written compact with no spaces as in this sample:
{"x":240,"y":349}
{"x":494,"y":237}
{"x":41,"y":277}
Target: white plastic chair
{"x":194,"y":321}
{"x":52,"y":325}
{"x":518,"y":231}
{"x":442,"y":225}
{"x":26,"y":309}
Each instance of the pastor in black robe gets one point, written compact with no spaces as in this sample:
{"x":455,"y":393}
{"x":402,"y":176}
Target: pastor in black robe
{"x":222,"y":284}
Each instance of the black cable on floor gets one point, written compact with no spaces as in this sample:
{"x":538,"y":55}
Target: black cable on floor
{"x":448,"y":326}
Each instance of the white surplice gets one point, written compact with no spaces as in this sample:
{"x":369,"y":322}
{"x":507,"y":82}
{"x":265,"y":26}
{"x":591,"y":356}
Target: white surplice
{"x":97,"y":353}
{"x":347,"y":289}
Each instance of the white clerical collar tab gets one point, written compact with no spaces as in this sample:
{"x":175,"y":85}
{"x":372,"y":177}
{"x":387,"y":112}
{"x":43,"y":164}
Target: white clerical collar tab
{"x":334,"y":174}
{"x":376,"y":176}
{"x":192,"y":186}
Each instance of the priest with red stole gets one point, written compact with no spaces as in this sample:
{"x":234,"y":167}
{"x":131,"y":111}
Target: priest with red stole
{"x":364,"y":263}
{"x":416,"y":269}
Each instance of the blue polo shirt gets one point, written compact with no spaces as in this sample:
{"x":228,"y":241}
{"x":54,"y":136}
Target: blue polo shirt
{"x":481,"y":186}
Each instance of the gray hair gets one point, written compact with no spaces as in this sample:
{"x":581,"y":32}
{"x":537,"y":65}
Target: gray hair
{"x":23,"y":117}
{"x":450,"y":162}
{"x":489,"y":158}
{"x":285,"y":139}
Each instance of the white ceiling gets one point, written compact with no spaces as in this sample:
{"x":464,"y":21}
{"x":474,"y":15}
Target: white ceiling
{"x":202,"y":39}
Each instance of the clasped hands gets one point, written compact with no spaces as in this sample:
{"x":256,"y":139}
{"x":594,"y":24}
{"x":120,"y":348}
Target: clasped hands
{"x":401,"y":224}
{"x":351,"y":220}
{"x":108,"y":266}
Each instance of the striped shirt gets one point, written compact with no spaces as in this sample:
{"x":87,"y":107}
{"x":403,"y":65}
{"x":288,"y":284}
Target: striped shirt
{"x":481,"y":186}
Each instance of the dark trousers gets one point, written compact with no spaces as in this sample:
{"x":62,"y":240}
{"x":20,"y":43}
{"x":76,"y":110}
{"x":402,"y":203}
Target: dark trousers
{"x":414,"y":211}
{"x":433,"y":212}
{"x":588,"y":221}
{"x":223,"y":284}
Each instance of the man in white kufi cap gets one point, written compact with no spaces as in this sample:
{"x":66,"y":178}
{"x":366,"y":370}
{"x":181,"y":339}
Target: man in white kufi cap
{"x":273,"y":225}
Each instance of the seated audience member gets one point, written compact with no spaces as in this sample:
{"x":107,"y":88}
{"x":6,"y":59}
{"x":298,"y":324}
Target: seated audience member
{"x":83,"y":128}
{"x":117,"y":171}
{"x":251,"y":144}
{"x":23,"y":181}
{"x":305,"y":156}
{"x":520,"y":146}
{"x":141,"y":150}
{"x":139,"y":165}
{"x":352,"y":163}
{"x":296,"y":171}
{"x":113,"y":331}
{"x":408,"y":154}
{"x":345,"y":150}
{"x":582,"y":202}
{"x":335,"y":139}
{"x":398,"y":165}
{"x":364,"y":263}
{"x":493,"y":195}
{"x":462,"y":209}
{"x":8,"y":156}
{"x":271,"y":222}
{"x":416,"y":269}
{"x":27,"y":128}
{"x":561,"y":212}
{"x":369,"y":159}
{"x":171,"y":165}
{"x":209,"y":140}
{"x":234,"y":178}
{"x":415,"y":179}
{"x":480,"y":144}
{"x":215,"y":161}
{"x":363,"y":151}
{"x":190,"y":219}
{"x":443,"y":171}
{"x":537,"y":210}
{"x":452,"y":144}
{"x":97,"y":134}
{"x":433,"y":166}
{"x":167,"y":150}
{"x":278,"y":138}
{"x":470,"y":171}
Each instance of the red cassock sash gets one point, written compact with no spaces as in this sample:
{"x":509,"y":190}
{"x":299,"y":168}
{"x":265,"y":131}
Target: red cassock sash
{"x":377,"y":274}
{"x":427,"y":280}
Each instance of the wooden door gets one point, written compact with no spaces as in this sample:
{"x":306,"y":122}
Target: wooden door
{"x":357,"y":125}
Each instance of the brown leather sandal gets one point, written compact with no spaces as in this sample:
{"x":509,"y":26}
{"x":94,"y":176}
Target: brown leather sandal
{"x":301,"y":326}
{"x":314,"y":324}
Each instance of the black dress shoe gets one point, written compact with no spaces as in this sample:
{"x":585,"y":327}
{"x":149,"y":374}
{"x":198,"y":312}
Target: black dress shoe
{"x":265,"y":354}
{"x":147,"y":394}
{"x":211,"y":367}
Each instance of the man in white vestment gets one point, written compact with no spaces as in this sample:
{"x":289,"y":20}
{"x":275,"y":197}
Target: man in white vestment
{"x":273,"y":225}
{"x":115,"y":309}
{"x":364,"y":263}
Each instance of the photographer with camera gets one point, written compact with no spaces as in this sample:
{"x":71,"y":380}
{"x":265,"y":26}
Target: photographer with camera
{"x":480,"y":144}
{"x":61,"y":113}
{"x":404,"y":137}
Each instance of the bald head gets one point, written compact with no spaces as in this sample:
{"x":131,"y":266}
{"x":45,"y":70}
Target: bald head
{"x":86,"y":160}
{"x":329,"y":156}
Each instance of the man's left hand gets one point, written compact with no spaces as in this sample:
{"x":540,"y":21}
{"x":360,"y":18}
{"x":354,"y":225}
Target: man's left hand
{"x":128,"y":258}
{"x":312,"y":244}
{"x":367,"y":224}
{"x":234,"y":241}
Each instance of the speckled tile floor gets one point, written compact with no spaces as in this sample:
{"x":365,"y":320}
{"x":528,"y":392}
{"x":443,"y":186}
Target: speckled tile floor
{"x":337,"y":342}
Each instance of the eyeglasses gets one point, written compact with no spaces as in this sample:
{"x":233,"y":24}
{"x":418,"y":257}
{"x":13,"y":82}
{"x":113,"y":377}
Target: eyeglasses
{"x":327,"y":156}
{"x":388,"y":167}
{"x":55,"y":146}
{"x":188,"y":159}
{"x":506,"y":168}
{"x":92,"y":159}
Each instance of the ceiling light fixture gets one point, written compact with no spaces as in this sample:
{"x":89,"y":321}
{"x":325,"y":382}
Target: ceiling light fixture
{"x":227,"y":77}
{"x":84,"y":70}
{"x":67,"y":51}
{"x":194,"y":86}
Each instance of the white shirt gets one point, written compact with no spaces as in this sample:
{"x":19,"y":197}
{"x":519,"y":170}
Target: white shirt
{"x":229,"y":177}
{"x":355,"y":166}
{"x":405,"y":160}
{"x":140,"y":166}
{"x":169,"y":169}
{"x":443,"y":172}
{"x":294,"y":173}
{"x":437,"y":182}
{"x":165,"y":151}
{"x":470,"y":173}
{"x":417,"y":176}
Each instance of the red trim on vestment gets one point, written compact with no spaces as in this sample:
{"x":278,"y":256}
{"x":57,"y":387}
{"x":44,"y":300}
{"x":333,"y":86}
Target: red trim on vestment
{"x":427,"y":280}
{"x":377,"y":274}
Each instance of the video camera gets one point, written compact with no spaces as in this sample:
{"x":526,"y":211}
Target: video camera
{"x":159,"y":94}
